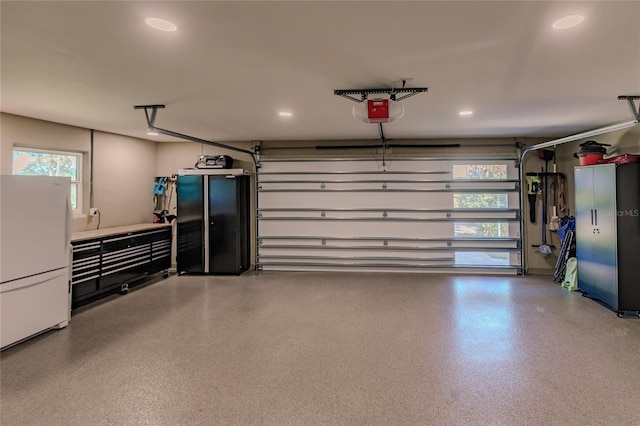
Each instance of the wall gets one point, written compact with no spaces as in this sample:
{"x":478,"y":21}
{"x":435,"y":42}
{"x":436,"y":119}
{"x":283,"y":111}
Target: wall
{"x":124,"y":172}
{"x":626,"y":141}
{"x":538,"y":263}
{"x":124,"y":167}
{"x":174,"y":156}
{"x":622,"y":141}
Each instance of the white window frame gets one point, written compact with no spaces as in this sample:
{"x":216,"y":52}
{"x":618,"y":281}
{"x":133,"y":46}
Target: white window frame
{"x":79,"y":162}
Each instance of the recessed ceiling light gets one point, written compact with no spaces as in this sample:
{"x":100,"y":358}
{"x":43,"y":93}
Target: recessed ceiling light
{"x":466,"y":112}
{"x":285,"y":114}
{"x":160,"y":24}
{"x":152,"y":133}
{"x":568,"y":22}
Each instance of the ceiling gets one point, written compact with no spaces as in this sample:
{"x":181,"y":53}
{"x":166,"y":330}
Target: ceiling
{"x":232,"y":66}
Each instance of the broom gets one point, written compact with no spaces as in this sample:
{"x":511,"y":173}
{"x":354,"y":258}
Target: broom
{"x":554,"y":223}
{"x":544,"y":247}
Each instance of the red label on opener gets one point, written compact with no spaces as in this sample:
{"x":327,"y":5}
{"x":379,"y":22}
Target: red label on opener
{"x":378,"y":110}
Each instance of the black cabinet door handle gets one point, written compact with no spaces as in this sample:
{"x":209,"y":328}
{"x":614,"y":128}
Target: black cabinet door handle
{"x":592,"y":216}
{"x":595,"y":215}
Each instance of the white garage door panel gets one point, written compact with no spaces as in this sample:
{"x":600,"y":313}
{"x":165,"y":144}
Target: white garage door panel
{"x":355,"y":229}
{"x":389,"y":215}
{"x":406,"y":215}
{"x":376,"y":243}
{"x":389,"y":186}
{"x":352,"y":166}
{"x":347,"y":200}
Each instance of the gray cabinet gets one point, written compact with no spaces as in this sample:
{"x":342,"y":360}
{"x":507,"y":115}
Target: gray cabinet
{"x":608,"y":234}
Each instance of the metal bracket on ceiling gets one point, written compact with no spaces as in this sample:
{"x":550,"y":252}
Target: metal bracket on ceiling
{"x":632,"y":106}
{"x":151,"y":119}
{"x":391,"y":91}
{"x":151,"y":111}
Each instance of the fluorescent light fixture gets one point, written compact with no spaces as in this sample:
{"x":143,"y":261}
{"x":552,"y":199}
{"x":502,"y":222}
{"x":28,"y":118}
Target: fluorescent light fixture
{"x":161,"y":24}
{"x":152,"y":133}
{"x":568,"y":22}
{"x":285,"y":114}
{"x":465,"y":112}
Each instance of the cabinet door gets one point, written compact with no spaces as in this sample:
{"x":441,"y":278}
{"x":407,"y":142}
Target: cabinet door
{"x":224,"y":236}
{"x":605,"y":243}
{"x":605,"y":213}
{"x":584,"y":213}
{"x":190,"y":227}
{"x":585,"y":230}
{"x":595,"y":232}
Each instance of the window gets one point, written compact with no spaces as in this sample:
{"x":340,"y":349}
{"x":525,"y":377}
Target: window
{"x":481,"y":200}
{"x":480,"y":171}
{"x":40,"y":162}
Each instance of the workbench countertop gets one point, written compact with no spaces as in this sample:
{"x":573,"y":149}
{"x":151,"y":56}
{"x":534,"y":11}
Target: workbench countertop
{"x":100,"y":233}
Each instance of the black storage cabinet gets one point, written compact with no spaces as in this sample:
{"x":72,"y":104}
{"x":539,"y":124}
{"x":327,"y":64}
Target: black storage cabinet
{"x":213,"y":221}
{"x":117,"y":259}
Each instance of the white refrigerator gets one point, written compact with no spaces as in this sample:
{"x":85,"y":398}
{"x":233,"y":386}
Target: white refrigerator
{"x":35,"y":256}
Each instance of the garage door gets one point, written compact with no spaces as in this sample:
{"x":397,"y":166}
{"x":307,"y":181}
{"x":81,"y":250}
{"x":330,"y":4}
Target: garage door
{"x":403,"y":214}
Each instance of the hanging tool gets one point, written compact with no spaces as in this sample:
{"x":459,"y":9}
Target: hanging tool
{"x":546,"y":155}
{"x":544,"y":247}
{"x":160,"y":200}
{"x":554,"y":223}
{"x":172,"y":184}
{"x":562,"y":199}
{"x":533,"y":189}
{"x":158,"y":193}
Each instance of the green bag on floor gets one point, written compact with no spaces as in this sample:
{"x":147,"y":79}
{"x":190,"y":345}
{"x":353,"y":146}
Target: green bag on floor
{"x":571,"y":275}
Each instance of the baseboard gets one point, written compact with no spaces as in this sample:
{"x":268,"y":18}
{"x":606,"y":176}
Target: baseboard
{"x":540,"y":271}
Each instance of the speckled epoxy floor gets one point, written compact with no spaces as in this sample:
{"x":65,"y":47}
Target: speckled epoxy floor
{"x":331,"y":348}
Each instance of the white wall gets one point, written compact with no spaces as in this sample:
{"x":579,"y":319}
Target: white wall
{"x":622,"y":141}
{"x":626,"y":141}
{"x":124,"y":167}
{"x":124,"y":172}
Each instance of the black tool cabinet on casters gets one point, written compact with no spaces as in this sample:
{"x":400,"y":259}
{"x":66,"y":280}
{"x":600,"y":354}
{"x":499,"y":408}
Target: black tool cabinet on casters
{"x":213,"y":221}
{"x":111,"y":260}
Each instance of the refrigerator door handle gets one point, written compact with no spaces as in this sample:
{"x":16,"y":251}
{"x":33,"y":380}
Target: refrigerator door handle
{"x":592,"y":216}
{"x":595,"y":215}
{"x":67,"y":229}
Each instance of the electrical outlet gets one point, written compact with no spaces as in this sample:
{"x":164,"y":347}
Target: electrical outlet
{"x":93,"y":211}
